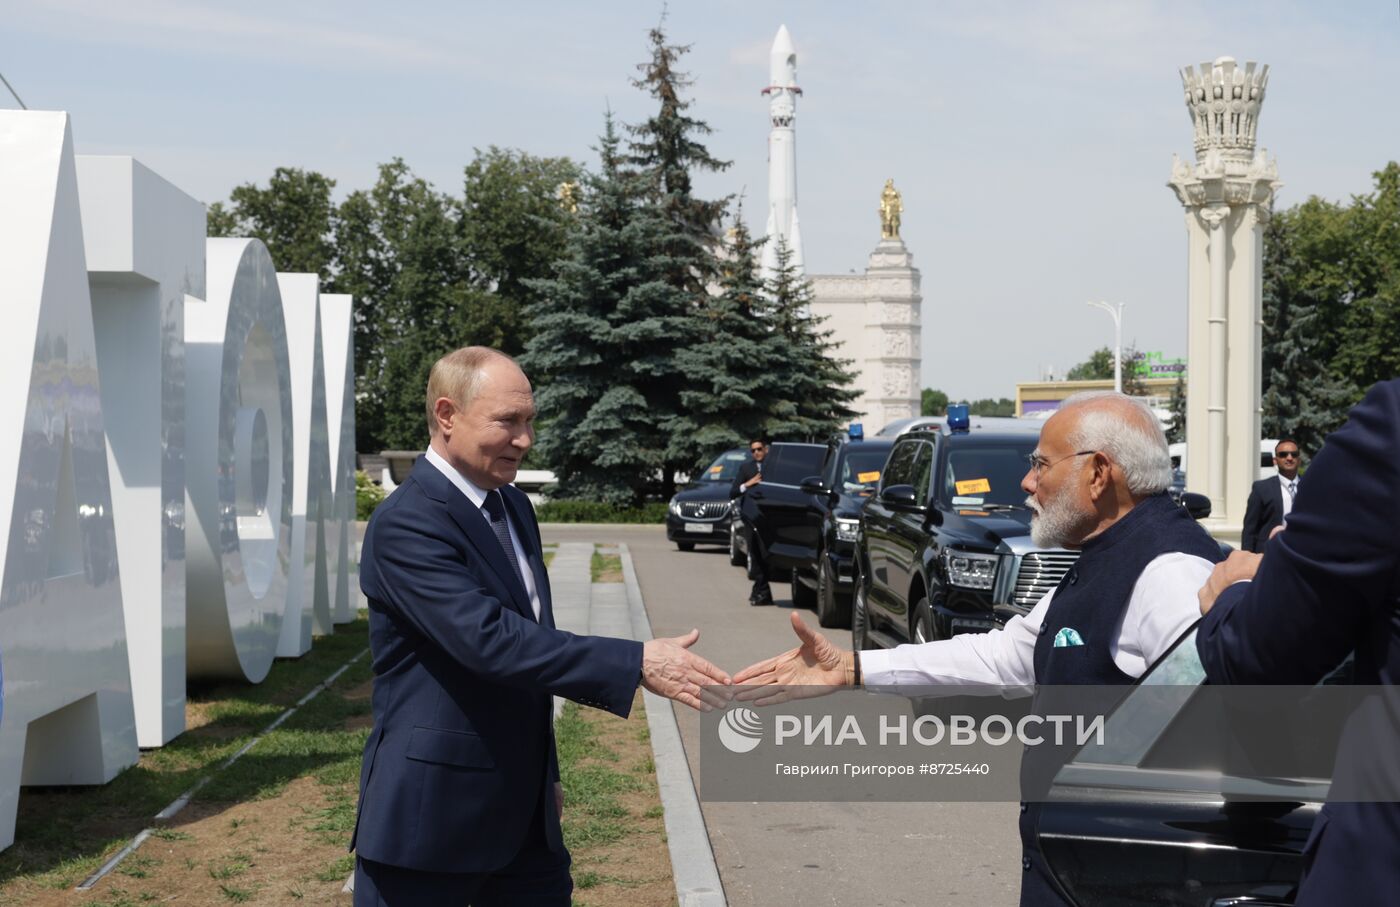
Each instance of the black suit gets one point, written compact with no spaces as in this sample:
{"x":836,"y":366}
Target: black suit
{"x":456,"y":788}
{"x":1330,"y":585}
{"x":1262,"y":513}
{"x":758,"y":557}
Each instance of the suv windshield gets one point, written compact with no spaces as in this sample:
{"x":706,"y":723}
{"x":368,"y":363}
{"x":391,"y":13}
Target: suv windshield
{"x":859,"y":472}
{"x":979,"y":474}
{"x":725,"y":467}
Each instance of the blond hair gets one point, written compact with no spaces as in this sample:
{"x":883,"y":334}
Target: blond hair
{"x":457,"y":376}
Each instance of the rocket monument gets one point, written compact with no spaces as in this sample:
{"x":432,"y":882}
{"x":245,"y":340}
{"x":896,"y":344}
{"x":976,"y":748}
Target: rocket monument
{"x":782,"y":92}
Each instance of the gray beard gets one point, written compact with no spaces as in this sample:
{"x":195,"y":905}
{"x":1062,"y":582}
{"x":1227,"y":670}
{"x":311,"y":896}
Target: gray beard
{"x":1055,"y":525}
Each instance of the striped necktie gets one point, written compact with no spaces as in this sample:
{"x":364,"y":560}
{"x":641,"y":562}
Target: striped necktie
{"x":495,"y":510}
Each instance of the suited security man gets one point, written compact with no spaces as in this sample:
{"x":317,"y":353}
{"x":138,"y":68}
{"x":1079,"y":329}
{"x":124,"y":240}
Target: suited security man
{"x":750,"y":474}
{"x":1271,"y":499}
{"x":459,"y":794}
{"x":1326,"y":586}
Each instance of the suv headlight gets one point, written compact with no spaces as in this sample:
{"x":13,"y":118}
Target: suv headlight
{"x":675,"y":507}
{"x":846,"y":529}
{"x":969,"y":570}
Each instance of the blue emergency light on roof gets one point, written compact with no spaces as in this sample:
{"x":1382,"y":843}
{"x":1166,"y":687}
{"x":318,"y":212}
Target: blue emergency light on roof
{"x":957,"y":417}
{"x":856,"y":432}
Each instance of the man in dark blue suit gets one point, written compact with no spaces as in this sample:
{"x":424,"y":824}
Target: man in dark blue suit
{"x":1271,"y":499}
{"x":460,"y":799}
{"x":1327,"y":586}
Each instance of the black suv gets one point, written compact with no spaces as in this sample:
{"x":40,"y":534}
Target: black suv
{"x":944,"y":546}
{"x":850,"y":474}
{"x":699,"y":513}
{"x":780,"y":511}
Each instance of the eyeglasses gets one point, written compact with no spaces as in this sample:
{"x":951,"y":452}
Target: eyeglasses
{"x":759,"y":449}
{"x":1286,"y":455}
{"x":1039,"y":464}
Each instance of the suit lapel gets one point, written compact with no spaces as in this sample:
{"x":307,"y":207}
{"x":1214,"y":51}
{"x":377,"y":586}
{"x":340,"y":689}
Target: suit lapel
{"x":477,"y":530}
{"x":523,"y":518}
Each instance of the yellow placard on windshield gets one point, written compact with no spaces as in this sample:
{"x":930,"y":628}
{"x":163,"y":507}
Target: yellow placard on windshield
{"x":865,"y":478}
{"x":716,"y":469}
{"x":974,"y":486}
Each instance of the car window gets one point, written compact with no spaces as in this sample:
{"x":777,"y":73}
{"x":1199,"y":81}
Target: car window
{"x":789,"y":464}
{"x":1173,"y":723}
{"x":899,"y":470}
{"x":829,"y":465}
{"x":985,"y":474}
{"x":860,"y":471}
{"x":725,"y":467}
{"x":923,"y":470}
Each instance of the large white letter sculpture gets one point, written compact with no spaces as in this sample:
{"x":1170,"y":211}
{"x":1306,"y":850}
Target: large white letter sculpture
{"x":308,"y":601}
{"x":239,"y":485}
{"x":144,"y":241}
{"x":65,"y":683}
{"x":338,"y":333}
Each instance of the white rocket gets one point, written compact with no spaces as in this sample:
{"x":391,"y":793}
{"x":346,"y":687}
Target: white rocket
{"x":782,"y":94}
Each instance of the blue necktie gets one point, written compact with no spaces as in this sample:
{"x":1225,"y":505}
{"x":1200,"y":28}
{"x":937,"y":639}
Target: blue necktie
{"x":495,"y":510}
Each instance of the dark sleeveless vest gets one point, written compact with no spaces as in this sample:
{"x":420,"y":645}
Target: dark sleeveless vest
{"x":1088,"y":606}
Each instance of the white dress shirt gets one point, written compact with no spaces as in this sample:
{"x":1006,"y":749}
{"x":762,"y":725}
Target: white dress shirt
{"x":477,"y":495}
{"x":1287,"y":495}
{"x":1163,"y":604}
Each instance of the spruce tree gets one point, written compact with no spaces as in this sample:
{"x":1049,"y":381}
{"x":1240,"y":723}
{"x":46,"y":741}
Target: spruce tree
{"x":811,"y":389}
{"x":594,"y":421}
{"x":728,"y":399}
{"x":663,"y":316}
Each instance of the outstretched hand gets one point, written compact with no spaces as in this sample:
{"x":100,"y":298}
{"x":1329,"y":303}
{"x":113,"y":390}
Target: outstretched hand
{"x":814,"y":668}
{"x":670,"y":669}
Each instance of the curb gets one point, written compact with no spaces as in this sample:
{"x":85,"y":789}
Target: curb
{"x":692,"y":860}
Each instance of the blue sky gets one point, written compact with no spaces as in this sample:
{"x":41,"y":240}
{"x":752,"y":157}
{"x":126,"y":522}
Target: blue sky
{"x":1032,"y":141}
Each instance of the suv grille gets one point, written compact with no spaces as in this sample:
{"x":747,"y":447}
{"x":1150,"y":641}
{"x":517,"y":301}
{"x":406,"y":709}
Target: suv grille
{"x":704,"y":510}
{"x":1040,"y":572}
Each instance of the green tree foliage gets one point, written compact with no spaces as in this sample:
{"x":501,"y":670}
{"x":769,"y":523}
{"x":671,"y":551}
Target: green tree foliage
{"x":1098,"y":367}
{"x":1176,"y":430}
{"x":512,"y":227}
{"x":729,"y":396}
{"x":811,"y":390}
{"x":293,"y":215}
{"x":1331,"y":309}
{"x":666,"y":150}
{"x":598,"y":435}
{"x":990,"y":407}
{"x":933,"y":402}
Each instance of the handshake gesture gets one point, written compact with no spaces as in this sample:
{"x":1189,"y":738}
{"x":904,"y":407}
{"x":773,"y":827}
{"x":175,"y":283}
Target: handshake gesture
{"x":813,"y":668}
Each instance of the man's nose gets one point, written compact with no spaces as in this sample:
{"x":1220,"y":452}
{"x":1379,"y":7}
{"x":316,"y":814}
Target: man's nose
{"x":1028,"y":483}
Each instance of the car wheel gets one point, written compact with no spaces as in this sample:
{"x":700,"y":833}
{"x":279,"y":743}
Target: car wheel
{"x":686,"y":546}
{"x":736,"y":557}
{"x":802,"y":594}
{"x":922,"y":629}
{"x":860,"y":618}
{"x":830,"y":612}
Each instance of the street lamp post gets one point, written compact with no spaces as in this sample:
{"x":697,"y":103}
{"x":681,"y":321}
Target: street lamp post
{"x":1117,"y":312}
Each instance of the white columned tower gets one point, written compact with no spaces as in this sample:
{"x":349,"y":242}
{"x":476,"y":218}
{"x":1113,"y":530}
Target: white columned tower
{"x":1227,"y":194}
{"x":782,"y":92}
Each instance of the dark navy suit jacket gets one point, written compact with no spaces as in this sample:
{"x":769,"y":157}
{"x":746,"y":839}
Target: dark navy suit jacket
{"x":1262,"y":512}
{"x":461,"y":756}
{"x":1327,"y":586}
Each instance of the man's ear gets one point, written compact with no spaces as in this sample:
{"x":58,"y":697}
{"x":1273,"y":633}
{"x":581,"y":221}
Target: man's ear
{"x":1101,"y":476}
{"x":443,"y":409}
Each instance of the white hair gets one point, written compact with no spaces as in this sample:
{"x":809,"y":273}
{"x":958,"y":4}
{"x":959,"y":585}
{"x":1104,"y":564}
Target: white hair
{"x":1127,"y":431}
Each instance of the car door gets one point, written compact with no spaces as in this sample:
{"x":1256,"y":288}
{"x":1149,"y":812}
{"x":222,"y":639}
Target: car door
{"x":881,"y":532}
{"x":908,"y":537}
{"x":786,"y":508}
{"x":1172,"y":809}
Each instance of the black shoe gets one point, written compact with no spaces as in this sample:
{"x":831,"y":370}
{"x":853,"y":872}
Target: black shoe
{"x":762,"y":601}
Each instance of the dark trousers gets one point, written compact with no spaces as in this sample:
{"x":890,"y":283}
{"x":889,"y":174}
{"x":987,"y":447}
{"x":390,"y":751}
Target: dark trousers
{"x":538,"y":876}
{"x":758,"y":567}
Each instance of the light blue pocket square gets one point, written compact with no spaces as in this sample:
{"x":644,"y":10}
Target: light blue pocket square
{"x":1068,"y":637}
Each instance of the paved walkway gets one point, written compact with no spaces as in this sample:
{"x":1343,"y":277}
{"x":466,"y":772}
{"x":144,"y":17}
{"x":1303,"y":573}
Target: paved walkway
{"x":615,"y":609}
{"x":808,"y":854}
